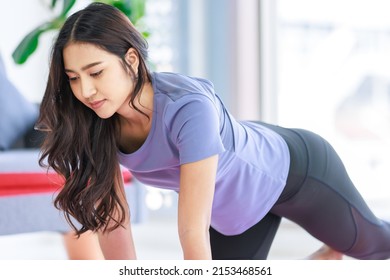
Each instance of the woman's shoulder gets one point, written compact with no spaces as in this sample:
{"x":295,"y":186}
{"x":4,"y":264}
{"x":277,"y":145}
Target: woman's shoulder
{"x":178,"y":97}
{"x":176,"y":85}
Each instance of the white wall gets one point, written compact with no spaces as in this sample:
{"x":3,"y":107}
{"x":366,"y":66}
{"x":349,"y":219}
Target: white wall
{"x":17,"y":19}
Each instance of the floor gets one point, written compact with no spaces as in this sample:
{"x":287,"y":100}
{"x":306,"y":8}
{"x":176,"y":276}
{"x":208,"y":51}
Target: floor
{"x":290,"y":243}
{"x":48,"y":246}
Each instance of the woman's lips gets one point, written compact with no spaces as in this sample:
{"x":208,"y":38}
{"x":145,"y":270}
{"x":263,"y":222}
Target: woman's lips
{"x":97,"y":104}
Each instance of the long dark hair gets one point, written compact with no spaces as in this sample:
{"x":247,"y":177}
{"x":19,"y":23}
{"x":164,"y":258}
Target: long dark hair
{"x":79,"y":145}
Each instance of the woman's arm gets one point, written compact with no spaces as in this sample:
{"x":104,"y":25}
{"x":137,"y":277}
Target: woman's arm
{"x":197,"y":184}
{"x":118,"y":244}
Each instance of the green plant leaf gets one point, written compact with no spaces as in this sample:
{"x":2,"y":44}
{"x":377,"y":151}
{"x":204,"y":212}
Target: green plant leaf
{"x":133,"y":9}
{"x":29,"y":43}
{"x":123,"y":5}
{"x":68,"y":4}
{"x":146,"y":34}
{"x":138,"y":9}
{"x":53,"y":4}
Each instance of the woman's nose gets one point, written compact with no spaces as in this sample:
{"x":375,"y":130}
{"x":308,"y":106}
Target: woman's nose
{"x":87,"y":89}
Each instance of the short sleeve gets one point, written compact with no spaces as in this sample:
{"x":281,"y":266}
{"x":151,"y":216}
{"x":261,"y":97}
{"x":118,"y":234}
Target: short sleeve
{"x":193,"y":122}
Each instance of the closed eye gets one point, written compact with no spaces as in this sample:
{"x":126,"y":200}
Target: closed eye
{"x":96,"y":74}
{"x":72,"y":79}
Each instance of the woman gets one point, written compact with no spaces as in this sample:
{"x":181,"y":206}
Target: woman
{"x":235,"y":179}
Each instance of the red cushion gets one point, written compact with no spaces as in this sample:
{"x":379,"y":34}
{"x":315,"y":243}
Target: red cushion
{"x":32,"y":183}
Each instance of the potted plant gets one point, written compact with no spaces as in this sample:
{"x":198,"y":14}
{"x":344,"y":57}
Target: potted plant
{"x":133,"y":9}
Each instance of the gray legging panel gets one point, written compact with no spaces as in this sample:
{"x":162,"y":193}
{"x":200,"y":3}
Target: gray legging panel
{"x":320,"y":197}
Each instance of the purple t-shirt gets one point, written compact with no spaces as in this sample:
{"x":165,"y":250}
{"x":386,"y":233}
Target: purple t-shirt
{"x":191,"y":123}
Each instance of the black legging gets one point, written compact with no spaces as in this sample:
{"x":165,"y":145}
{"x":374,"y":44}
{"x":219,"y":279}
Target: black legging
{"x":320,"y":197}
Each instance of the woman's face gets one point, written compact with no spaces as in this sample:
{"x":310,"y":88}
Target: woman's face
{"x":98,"y":78}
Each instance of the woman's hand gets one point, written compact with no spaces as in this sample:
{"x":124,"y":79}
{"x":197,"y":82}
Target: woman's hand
{"x":197,"y":184}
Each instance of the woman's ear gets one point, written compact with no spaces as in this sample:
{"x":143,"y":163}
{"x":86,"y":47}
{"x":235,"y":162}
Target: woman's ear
{"x":132,"y":59}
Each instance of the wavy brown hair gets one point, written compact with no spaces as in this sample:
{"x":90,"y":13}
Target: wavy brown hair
{"x":79,"y":145}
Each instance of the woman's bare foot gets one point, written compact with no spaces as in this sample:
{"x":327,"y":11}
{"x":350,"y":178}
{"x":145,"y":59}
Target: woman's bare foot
{"x":325,"y":253}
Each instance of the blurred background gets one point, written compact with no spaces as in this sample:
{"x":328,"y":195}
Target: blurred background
{"x":323,"y":65}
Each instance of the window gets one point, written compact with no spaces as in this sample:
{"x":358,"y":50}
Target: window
{"x":333,"y":77}
{"x":159,"y":21}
